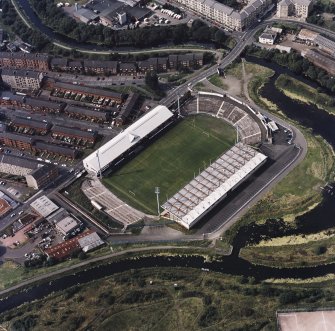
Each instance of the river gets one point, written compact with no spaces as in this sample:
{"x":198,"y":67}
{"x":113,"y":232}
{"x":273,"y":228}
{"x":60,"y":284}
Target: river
{"x":322,"y":217}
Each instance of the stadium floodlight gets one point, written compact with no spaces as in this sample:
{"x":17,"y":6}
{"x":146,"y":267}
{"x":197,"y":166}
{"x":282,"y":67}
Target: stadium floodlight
{"x":99,"y":173}
{"x":157,"y":191}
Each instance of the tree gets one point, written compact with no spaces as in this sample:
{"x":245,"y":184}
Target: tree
{"x":151,"y":79}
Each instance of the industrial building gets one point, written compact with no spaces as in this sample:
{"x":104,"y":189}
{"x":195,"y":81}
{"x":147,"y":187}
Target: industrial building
{"x":67,"y":225}
{"x":44,"y":206}
{"x":118,"y":148}
{"x":213,"y":184}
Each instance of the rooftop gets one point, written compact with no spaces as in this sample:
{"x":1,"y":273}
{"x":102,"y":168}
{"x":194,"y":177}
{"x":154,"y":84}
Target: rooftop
{"x":20,"y":161}
{"x":67,"y":224}
{"x":32,"y":123}
{"x":88,"y":90}
{"x":127,"y":139}
{"x":44,"y":206}
{"x":212,"y":184}
{"x":90,"y":242}
{"x":73,"y":131}
{"x":20,"y":73}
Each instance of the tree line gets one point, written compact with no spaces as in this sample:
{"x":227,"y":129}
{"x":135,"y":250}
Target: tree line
{"x":14,"y":24}
{"x":145,"y":37}
{"x":296,"y":63}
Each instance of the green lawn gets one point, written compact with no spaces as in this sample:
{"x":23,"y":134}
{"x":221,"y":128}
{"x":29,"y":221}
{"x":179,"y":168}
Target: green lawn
{"x":171,"y":161}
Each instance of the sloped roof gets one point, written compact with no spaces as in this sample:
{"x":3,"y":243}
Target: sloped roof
{"x":127,"y":139}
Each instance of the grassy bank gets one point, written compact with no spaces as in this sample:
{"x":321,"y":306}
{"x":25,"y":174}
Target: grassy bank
{"x":311,"y":253}
{"x":300,"y":189}
{"x":304,"y":93}
{"x":218,"y":81}
{"x":147,"y":300}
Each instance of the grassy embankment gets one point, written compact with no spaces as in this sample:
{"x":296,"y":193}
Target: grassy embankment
{"x":299,"y":191}
{"x":147,"y":300}
{"x":218,"y":81}
{"x":292,"y":251}
{"x":171,"y":161}
{"x":304,"y":93}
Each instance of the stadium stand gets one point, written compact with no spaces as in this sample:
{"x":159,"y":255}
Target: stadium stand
{"x":246,"y":123}
{"x":112,"y":205}
{"x":116,"y":149}
{"x":213,"y":184}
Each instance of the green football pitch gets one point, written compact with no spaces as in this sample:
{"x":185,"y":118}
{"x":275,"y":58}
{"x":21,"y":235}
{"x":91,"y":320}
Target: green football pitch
{"x":171,"y":161}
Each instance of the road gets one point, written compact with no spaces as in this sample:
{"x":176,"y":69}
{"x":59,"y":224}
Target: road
{"x":213,"y":227}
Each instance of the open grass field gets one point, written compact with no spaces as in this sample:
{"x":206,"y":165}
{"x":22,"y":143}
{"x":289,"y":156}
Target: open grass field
{"x":202,"y":301}
{"x":171,"y":162}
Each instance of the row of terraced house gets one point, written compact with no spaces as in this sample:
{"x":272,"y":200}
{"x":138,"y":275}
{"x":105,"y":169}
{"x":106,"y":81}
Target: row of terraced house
{"x":43,"y":62}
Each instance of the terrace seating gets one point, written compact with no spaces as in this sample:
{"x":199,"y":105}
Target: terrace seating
{"x":116,"y":208}
{"x":236,"y":115}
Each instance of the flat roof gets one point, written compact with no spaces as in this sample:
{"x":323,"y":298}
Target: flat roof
{"x":67,"y":224}
{"x":20,"y":73}
{"x":212,"y":184}
{"x":306,"y":320}
{"x":44,"y":206}
{"x":127,"y":139}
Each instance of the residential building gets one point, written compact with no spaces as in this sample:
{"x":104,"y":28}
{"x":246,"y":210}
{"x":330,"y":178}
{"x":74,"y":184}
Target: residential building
{"x":42,"y":176}
{"x":226,"y":16}
{"x":101,"y":67}
{"x":56,"y":150}
{"x":31,"y":104}
{"x":191,"y":60}
{"x":27,"y":61}
{"x":127,"y":68}
{"x":59,"y":64}
{"x":20,"y":79}
{"x":267,"y":38}
{"x":87,"y":114}
{"x":296,"y":8}
{"x":29,"y":126}
{"x":76,"y":135}
{"x":88,"y":91}
{"x":17,"y":141}
{"x":126,"y":109}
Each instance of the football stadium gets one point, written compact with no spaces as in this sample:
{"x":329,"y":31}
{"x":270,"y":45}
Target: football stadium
{"x":196,"y":160}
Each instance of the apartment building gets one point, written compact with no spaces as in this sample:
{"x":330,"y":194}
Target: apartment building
{"x":296,"y":8}
{"x":227,"y":16}
{"x":27,"y":61}
{"x":19,"y":79}
{"x":101,"y":67}
{"x":42,"y":176}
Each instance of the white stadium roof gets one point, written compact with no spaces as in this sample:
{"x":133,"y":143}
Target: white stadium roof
{"x":226,"y":173}
{"x":126,"y":139}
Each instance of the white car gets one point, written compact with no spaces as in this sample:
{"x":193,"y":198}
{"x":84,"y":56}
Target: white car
{"x":21,"y":212}
{"x":12,"y":215}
